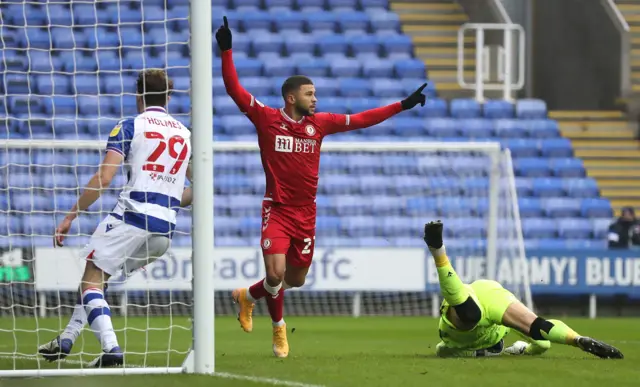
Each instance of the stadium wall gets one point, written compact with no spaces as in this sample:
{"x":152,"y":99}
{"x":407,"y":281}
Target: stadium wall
{"x":563,"y":282}
{"x":585,"y":71}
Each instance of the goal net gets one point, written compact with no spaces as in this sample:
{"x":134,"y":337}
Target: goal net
{"x":370,"y":259}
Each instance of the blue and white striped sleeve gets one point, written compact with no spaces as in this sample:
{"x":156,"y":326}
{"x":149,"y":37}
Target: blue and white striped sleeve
{"x":121,"y":136}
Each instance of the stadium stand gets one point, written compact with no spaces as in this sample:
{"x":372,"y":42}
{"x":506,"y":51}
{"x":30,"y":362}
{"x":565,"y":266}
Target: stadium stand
{"x":359,"y":58}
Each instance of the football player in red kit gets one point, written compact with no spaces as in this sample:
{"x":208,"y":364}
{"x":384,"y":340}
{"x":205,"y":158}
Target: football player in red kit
{"x":289,"y":140}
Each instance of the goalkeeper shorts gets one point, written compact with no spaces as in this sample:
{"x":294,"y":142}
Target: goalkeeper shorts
{"x":116,"y":245}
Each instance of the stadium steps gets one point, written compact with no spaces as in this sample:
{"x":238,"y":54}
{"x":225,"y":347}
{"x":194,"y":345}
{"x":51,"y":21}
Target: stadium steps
{"x":630,"y":9}
{"x":433,"y":25}
{"x":608,"y":145}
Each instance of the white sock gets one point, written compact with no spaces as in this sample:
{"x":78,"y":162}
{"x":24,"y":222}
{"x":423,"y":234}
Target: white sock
{"x":278,"y":324}
{"x":76,"y":323}
{"x":99,"y":318}
{"x":273,"y":290}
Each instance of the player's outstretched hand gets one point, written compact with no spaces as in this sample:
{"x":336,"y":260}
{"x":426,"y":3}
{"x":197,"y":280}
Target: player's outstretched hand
{"x":433,"y":234}
{"x":61,"y":232}
{"x":416,"y":98}
{"x":223,"y":36}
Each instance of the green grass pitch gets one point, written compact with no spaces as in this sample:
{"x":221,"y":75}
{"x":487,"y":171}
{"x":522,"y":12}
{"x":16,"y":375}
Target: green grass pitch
{"x":330,"y":351}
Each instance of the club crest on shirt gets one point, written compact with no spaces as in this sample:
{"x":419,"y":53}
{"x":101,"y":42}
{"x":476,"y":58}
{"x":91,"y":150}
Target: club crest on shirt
{"x":310,"y":130}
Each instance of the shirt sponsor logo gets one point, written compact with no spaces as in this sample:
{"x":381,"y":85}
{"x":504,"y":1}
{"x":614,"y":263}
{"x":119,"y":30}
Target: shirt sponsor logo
{"x":284,"y":144}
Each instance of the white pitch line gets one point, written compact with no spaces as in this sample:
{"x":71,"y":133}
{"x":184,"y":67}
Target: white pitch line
{"x":224,"y":375}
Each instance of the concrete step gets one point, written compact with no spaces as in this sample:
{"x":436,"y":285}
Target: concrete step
{"x":446,"y":63}
{"x":619,"y":203}
{"x":599,"y":134}
{"x":612,"y":164}
{"x":629,"y":9}
{"x":440,"y":8}
{"x":605,"y":144}
{"x":430,"y":18}
{"x":620,"y":193}
{"x":443,"y":52}
{"x":608,"y":154}
{"x":586,"y":114}
{"x":448,"y":76}
{"x":618,"y":183}
{"x":598,"y":173}
{"x":442,"y":40}
{"x":438,"y":30}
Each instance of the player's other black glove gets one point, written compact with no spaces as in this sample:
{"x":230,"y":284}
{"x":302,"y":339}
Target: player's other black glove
{"x":416,"y":98}
{"x":433,"y":234}
{"x":223,"y":36}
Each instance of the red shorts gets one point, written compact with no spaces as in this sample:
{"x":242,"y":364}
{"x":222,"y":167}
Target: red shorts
{"x":289,"y":230}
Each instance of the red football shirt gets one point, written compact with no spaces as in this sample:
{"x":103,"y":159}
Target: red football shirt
{"x":290,"y":150}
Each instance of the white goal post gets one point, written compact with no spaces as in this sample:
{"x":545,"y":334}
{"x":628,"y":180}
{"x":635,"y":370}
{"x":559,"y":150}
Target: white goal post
{"x":493,"y":193}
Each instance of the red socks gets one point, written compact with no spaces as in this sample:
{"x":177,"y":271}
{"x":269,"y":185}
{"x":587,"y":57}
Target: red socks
{"x":275,"y":303}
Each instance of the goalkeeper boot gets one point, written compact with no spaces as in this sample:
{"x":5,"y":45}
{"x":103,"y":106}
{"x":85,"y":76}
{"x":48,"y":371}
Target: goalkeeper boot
{"x":56,"y":349}
{"x":280,"y":343}
{"x":246,"y":308}
{"x":598,"y":348}
{"x":433,"y":234}
{"x":112,"y":358}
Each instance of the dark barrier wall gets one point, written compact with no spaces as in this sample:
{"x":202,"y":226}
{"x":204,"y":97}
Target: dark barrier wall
{"x":576,"y":55}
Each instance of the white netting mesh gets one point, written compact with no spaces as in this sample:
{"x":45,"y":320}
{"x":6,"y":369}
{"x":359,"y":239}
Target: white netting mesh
{"x":68,"y":72}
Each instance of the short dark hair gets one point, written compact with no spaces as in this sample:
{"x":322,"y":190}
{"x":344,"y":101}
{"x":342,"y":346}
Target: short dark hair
{"x":154,"y":86}
{"x":293,"y":83}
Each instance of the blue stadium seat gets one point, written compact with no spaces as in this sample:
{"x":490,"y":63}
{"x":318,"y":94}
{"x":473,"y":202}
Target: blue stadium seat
{"x":441,"y":127}
{"x":383,"y":20}
{"x":496,"y":109}
{"x":86,"y":84}
{"x":339,"y":184}
{"x":17,"y":84}
{"x":314,"y":67}
{"x":539,"y":228}
{"x":333,"y":105}
{"x":387,"y":88}
{"x":531,"y":108}
{"x":575,"y":228}
{"x":397,"y":44}
{"x":299,"y":43}
{"x":547,"y":187}
{"x":237,"y":125}
{"x":276,"y":67}
{"x":522,"y":147}
{"x":433,"y":108}
{"x":411,"y":68}
{"x":354,"y":87}
{"x":532,"y":167}
{"x":256,"y":85}
{"x":407,"y":126}
{"x":601,"y":227}
{"x":345,"y":68}
{"x":288,"y":21}
{"x":25,"y":104}
{"x":561,"y":207}
{"x":319,"y":21}
{"x":332,"y":43}
{"x":581,"y":187}
{"x":556,"y":147}
{"x":567,"y":167}
{"x":507,"y":128}
{"x":541,"y":128}
{"x":475,"y":128}
{"x":348,"y":205}
{"x":596,"y":208}
{"x":328,"y":225}
{"x":350,"y":21}
{"x":363,"y":44}
{"x":10,"y":225}
{"x":464,"y":108}
{"x":530,"y":207}
{"x":64,"y":38}
{"x":378,"y":69}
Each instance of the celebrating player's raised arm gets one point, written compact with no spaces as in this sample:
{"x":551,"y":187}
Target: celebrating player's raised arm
{"x":245,"y":101}
{"x":335,"y":123}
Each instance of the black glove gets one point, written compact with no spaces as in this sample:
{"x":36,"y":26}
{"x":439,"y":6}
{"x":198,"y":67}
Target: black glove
{"x":433,"y":234}
{"x":416,"y":98}
{"x":223,"y":36}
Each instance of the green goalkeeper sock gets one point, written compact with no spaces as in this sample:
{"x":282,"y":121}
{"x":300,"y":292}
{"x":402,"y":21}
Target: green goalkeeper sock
{"x":451,"y":286}
{"x":560,"y":333}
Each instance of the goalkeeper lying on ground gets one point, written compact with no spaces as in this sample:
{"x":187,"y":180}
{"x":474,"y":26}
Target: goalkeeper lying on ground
{"x":475,"y":318}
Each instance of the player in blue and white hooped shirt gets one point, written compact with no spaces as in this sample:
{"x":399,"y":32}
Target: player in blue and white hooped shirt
{"x":156,"y":150}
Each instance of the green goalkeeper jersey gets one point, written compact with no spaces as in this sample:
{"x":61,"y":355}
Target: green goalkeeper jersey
{"x":493,"y":300}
